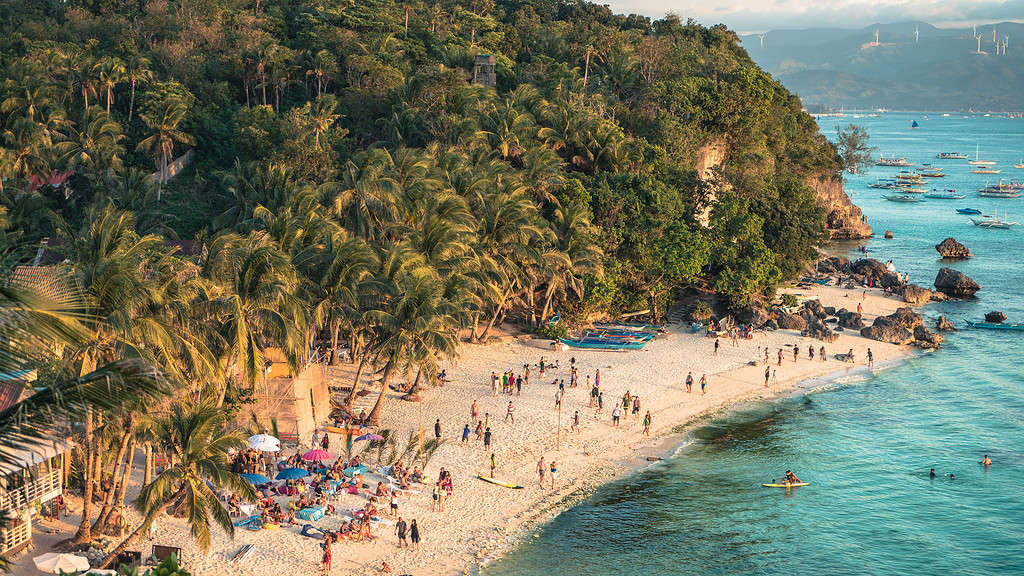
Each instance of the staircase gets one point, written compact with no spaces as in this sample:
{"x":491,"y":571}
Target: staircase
{"x":339,"y":381}
{"x":677,"y":314}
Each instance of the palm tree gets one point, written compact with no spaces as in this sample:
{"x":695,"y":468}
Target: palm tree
{"x":94,"y":144}
{"x":321,"y":67}
{"x":573,"y":253}
{"x":322,"y":116}
{"x":28,"y":101}
{"x":26,"y":144}
{"x":111,"y":73}
{"x":197,"y":439}
{"x":136,"y":72}
{"x":163,"y":125}
{"x":254,"y":304}
{"x":366,"y":195}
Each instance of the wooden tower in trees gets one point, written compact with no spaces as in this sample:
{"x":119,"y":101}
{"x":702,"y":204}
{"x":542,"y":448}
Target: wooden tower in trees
{"x":483,"y":70}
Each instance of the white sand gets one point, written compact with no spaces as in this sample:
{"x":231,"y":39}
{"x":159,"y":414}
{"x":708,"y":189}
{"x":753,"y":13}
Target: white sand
{"x":482,"y":519}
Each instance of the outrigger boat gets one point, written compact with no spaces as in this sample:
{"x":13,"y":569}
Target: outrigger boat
{"x":902,"y":198}
{"x":603,"y":345}
{"x":945,"y":195}
{"x":994,"y":222}
{"x":951,"y":156}
{"x":986,"y":171}
{"x":1018,"y":326}
{"x":893,"y":161}
{"x":976,"y":161}
{"x":1019,"y":165}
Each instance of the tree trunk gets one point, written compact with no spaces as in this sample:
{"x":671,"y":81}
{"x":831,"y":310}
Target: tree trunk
{"x":84,"y":533}
{"x":501,"y":307}
{"x":385,"y":381}
{"x":548,"y":297}
{"x":131,"y":103}
{"x":473,"y":336}
{"x":586,"y":70}
{"x":533,"y":308}
{"x":353,"y":346}
{"x":133,"y":536}
{"x":147,"y":473}
{"x":355,"y":385}
{"x":108,"y":498}
{"x":335,"y":328}
{"x":122,"y":490}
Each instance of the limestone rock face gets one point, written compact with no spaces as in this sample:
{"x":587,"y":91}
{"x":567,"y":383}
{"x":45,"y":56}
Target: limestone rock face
{"x":850,"y":320}
{"x":944,"y":325}
{"x":925,"y":338}
{"x":843,"y":218}
{"x":901,"y":327}
{"x":753,"y":314}
{"x":955,"y":283}
{"x":953,"y":250}
{"x":914,"y":294}
{"x":892,"y":334}
{"x":819,"y":330}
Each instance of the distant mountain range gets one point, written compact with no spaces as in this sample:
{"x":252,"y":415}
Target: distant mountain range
{"x":939,"y":69}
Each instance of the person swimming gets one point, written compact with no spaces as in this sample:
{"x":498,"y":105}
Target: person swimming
{"x":931,"y":473}
{"x":791,"y":478}
{"x":986,"y":461}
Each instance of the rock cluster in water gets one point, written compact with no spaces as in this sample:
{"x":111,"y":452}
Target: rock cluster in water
{"x":955,"y":284}
{"x":904,"y":326}
{"x":995,"y":316}
{"x":950,"y":249}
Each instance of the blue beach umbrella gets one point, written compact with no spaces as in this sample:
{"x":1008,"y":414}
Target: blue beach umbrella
{"x":255,"y":479}
{"x":292,"y":474}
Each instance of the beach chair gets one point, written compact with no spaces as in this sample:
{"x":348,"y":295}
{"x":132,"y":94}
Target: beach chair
{"x":243,"y":553}
{"x":289,"y":439}
{"x":162,"y":553}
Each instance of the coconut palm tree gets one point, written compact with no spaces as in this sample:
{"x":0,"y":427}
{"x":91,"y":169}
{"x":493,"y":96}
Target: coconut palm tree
{"x":136,"y":72}
{"x":28,"y":101}
{"x":322,"y":116}
{"x":94,"y":144}
{"x":163,"y":127}
{"x":572,"y":254}
{"x":253,"y":304}
{"x":198,"y":441}
{"x":365,"y":196}
{"x":110,"y":72}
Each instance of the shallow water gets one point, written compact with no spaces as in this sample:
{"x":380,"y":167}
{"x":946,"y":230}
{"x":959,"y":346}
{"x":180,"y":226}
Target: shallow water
{"x":866,"y":446}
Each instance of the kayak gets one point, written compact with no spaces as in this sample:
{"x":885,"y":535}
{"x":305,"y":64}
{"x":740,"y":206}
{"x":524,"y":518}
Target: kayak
{"x":787,"y":485}
{"x":500,"y":483}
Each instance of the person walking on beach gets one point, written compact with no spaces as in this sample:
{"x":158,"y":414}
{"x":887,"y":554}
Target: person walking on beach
{"x":575,"y":422}
{"x":717,"y":345}
{"x":558,"y":398}
{"x":436,"y":494}
{"x":400,"y":528}
{"x":541,"y":469}
{"x":871,"y":359}
{"x":494,"y":384}
{"x":860,"y":308}
{"x":414,"y":535}
{"x":821,"y":354}
{"x":689,"y":381}
{"x":326,"y":559}
{"x":780,"y":356}
{"x":767,"y":375}
{"x":765,"y":354}
{"x":479,"y":429}
{"x":474,"y":411}
{"x":465,"y":434}
{"x":636,"y":406}
{"x":600,"y":402}
{"x":796,"y":352}
{"x":437,"y":429}
{"x":510,"y":413}
{"x":554,"y":473}
{"x":493,"y":465}
{"x":703,"y":383}
{"x":647,"y":424}
{"x":597,"y":378}
{"x":616,"y":413}
{"x":487,"y":439}
{"x":593,"y":396}
{"x":810,"y":351}
{"x":519,"y":385}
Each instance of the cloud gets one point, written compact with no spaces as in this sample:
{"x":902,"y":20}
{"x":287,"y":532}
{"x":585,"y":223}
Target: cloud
{"x":760,"y":15}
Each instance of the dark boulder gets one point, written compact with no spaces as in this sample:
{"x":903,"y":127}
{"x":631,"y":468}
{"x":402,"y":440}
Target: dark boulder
{"x":891,"y":333}
{"x":788,"y":321}
{"x":955,"y":283}
{"x":914,"y":294}
{"x":771,"y":325}
{"x":888,"y":234}
{"x":905,"y":317}
{"x":815,"y":308}
{"x":752,"y":314}
{"x":939,"y":296}
{"x":995,"y":316}
{"x":850,"y":320}
{"x":925,"y":338}
{"x":944,"y":325}
{"x":868,"y":267}
{"x":820,"y":331}
{"x":953,"y":250}
{"x":825,"y":267}
{"x":830,"y":310}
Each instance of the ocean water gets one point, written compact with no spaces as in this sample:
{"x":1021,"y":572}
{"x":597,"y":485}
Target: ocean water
{"x":865,"y":445}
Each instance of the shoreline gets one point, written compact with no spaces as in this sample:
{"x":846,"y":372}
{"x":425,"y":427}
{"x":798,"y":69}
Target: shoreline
{"x":671,"y":443}
{"x":483,"y":522}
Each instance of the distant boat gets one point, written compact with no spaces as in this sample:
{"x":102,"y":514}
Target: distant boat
{"x":893,"y":161}
{"x":945,"y":195}
{"x":1019,"y":165}
{"x":986,"y":171}
{"x":902,"y":198}
{"x":951,"y":156}
{"x":994,"y":222}
{"x":976,"y":161}
{"x":968,"y":211}
{"x":1019,"y":326}
{"x":914,"y":124}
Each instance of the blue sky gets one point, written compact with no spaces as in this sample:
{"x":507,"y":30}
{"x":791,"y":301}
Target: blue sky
{"x":761,"y":15}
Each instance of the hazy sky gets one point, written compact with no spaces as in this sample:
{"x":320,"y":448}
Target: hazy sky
{"x":761,"y":15}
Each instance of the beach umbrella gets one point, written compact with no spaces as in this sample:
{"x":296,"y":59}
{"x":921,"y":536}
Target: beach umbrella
{"x":57,"y":562}
{"x":264,"y":443}
{"x":292,"y":474}
{"x":370,"y":436}
{"x":255,"y":479}
{"x":317,"y":455}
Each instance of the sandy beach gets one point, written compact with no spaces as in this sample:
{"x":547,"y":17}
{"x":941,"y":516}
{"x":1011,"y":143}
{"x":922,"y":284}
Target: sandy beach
{"x":482,"y":520}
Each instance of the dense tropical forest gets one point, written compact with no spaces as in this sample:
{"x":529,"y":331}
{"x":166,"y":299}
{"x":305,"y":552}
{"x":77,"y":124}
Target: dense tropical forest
{"x":214,"y":178}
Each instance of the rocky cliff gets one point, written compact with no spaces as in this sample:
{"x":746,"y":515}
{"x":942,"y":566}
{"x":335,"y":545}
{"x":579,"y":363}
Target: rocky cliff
{"x":843,"y":218}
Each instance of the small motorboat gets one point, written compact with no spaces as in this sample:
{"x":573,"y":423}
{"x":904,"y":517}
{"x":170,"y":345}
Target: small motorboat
{"x":968,"y":211}
{"x":902,"y":198}
{"x":945,"y":195}
{"x":1019,"y":326}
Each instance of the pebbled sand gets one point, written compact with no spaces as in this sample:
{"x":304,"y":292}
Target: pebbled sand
{"x":482,"y":520}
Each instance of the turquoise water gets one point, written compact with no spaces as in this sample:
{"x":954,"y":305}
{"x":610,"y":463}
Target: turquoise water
{"x":865,"y":445}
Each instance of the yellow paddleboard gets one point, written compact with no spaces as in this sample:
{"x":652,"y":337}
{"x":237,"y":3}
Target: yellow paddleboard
{"x":500,"y":483}
{"x":787,"y":485}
